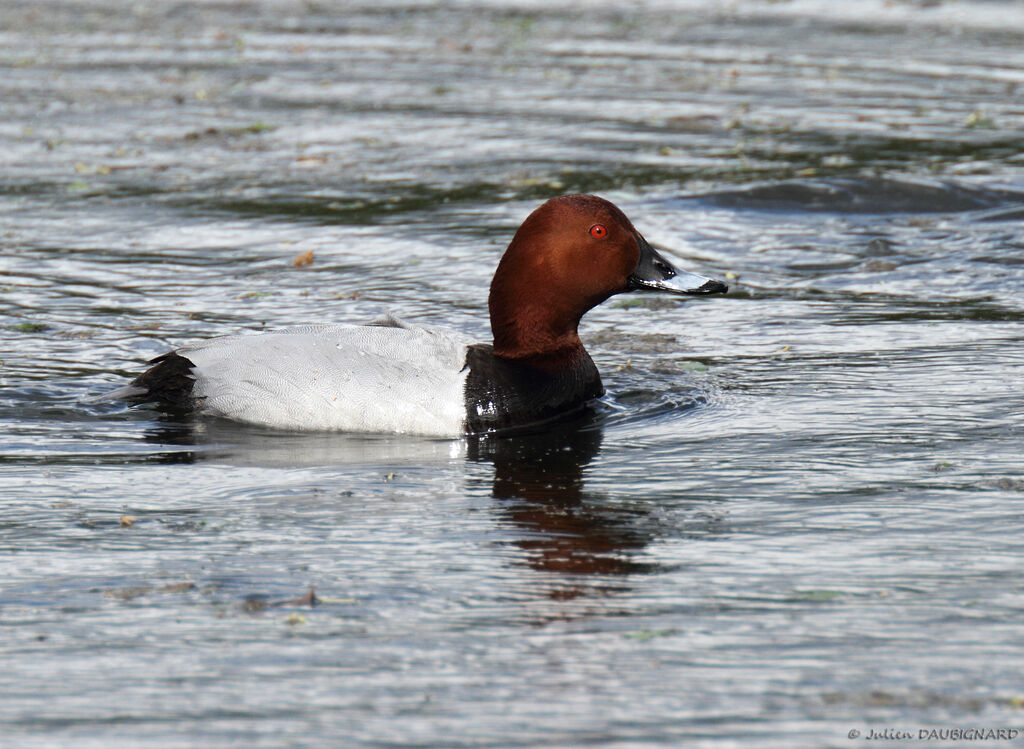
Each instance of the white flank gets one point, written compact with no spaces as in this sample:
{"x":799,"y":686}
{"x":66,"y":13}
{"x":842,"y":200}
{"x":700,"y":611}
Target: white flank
{"x":350,"y":378}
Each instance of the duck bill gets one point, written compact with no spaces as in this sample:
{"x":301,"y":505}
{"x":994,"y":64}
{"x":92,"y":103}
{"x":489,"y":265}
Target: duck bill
{"x":654,"y":273}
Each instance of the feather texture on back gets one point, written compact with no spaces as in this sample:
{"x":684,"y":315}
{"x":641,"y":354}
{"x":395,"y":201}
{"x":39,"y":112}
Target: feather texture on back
{"x":336,"y":377}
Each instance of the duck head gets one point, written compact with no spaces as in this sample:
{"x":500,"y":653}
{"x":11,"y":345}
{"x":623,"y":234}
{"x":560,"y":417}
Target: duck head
{"x":570,"y":255}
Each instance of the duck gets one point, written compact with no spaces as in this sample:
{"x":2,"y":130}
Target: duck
{"x":570,"y":254}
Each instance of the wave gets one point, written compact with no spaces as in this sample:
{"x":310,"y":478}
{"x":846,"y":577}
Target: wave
{"x":882,"y":195}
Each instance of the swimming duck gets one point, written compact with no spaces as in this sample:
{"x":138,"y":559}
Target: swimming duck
{"x":569,"y":255}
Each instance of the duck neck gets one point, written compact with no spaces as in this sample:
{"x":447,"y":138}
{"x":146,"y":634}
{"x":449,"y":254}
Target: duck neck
{"x":541,"y":333}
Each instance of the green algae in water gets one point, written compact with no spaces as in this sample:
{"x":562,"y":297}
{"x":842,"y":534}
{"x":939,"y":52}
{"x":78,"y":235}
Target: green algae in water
{"x":30,"y":327}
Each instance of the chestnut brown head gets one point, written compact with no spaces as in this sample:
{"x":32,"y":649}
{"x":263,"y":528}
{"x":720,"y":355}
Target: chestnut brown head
{"x":568,"y":256}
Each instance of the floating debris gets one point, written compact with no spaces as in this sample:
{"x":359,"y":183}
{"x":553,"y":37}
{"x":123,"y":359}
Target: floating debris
{"x":178,"y":587}
{"x":644,"y":635}
{"x":128,"y":592}
{"x":309,"y":599}
{"x":979,"y":120}
{"x":254,"y":604}
{"x":689,"y":365}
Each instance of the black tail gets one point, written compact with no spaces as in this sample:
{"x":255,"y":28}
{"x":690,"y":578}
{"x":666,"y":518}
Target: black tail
{"x":169,"y":380}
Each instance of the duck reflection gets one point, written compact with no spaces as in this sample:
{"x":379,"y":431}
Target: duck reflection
{"x":178,"y":435}
{"x":539,"y":479}
{"x":539,"y":483}
{"x":187,"y":439}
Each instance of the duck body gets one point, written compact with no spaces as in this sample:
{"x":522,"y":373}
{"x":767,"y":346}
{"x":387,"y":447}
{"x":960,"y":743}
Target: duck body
{"x":391,"y":377}
{"x":570,"y":254}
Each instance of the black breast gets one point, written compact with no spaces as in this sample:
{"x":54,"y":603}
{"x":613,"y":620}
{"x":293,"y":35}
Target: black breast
{"x":503,"y":393}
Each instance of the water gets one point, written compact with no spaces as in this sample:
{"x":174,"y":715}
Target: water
{"x":797,"y":514}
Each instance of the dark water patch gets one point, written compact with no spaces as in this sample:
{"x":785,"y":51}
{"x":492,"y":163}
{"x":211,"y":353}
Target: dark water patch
{"x":1007,"y":260}
{"x":1015,"y":214}
{"x":859,"y":307}
{"x":356,"y":211}
{"x":57,"y":459}
{"x":401,"y":200}
{"x":829,"y":154}
{"x":869,"y":195}
{"x":979,"y":310}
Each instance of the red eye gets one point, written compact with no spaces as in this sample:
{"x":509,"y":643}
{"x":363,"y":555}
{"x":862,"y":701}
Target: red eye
{"x":598,"y":232}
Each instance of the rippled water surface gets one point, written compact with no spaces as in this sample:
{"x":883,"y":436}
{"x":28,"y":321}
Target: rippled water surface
{"x":797,"y":514}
